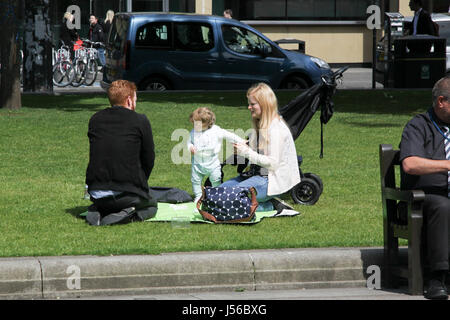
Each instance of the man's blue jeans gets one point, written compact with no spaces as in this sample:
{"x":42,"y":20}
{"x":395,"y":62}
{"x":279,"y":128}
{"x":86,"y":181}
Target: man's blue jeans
{"x":260,"y":184}
{"x":101,"y":56}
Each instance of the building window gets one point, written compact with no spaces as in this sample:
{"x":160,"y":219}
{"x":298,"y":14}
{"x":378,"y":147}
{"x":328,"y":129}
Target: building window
{"x":147,"y":5}
{"x":300,"y":9}
{"x":182,"y":5}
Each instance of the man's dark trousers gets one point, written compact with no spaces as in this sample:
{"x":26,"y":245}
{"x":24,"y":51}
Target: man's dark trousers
{"x":436,"y":216}
{"x":145,"y":208}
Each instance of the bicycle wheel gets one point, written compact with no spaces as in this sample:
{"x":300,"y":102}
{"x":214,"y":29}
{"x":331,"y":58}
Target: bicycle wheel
{"x":91,"y":72}
{"x":79,"y":74}
{"x":63,"y":74}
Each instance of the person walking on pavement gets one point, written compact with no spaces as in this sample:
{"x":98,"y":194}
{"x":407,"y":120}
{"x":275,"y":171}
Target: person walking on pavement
{"x":422,"y":23}
{"x":228,"y":14}
{"x":107,"y":23}
{"x":96,"y":34}
{"x":68,"y":32}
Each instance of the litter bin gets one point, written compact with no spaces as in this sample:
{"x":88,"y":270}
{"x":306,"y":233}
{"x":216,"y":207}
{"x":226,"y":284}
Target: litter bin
{"x":419,"y":61}
{"x":300,"y":43}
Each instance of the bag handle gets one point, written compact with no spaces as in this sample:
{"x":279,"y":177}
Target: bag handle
{"x":254,"y":202}
{"x":205,"y":214}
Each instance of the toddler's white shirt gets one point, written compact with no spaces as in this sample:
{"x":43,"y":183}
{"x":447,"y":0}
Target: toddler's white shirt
{"x":208,"y":144}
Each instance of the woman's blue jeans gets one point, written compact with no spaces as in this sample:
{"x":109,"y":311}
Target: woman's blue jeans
{"x":260,"y":184}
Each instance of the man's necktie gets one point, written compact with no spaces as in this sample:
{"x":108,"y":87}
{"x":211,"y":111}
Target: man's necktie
{"x":447,"y":154}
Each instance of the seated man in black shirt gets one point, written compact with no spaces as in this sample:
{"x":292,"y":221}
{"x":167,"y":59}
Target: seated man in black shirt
{"x":121,"y":158}
{"x":425,"y":156}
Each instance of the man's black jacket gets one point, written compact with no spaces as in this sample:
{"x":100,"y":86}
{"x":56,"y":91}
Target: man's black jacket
{"x":122,"y":151}
{"x":424,"y":24}
{"x":96,"y":33}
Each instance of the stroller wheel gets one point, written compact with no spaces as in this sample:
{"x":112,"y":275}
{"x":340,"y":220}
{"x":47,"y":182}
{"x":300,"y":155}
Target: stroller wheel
{"x":307,"y":192}
{"x":316,"y":178}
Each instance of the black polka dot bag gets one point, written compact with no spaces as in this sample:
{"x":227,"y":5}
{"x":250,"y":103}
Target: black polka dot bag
{"x":228,"y":204}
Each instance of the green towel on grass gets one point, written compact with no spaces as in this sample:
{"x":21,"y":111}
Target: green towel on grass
{"x":167,"y":211}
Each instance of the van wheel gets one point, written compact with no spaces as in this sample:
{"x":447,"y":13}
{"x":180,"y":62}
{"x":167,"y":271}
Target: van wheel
{"x":155,"y":84}
{"x":295,"y":82}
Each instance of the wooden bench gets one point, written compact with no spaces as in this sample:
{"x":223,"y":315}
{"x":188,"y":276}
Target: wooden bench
{"x":402,"y":218}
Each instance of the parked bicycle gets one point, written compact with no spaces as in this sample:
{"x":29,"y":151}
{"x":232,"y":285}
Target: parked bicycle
{"x":85,"y":63}
{"x":79,"y":66}
{"x":63,"y":72}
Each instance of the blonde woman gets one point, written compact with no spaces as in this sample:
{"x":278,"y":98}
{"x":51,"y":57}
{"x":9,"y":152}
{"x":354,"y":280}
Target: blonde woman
{"x":108,"y":21}
{"x":68,"y":33}
{"x":271,"y":152}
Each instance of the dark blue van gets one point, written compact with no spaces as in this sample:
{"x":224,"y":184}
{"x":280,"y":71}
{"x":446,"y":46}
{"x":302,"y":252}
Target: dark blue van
{"x":161,"y":51}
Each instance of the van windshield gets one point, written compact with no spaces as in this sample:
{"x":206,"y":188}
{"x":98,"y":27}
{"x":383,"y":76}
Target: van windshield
{"x":119,"y":30}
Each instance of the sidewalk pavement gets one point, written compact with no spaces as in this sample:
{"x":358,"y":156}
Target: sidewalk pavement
{"x":199,"y":275}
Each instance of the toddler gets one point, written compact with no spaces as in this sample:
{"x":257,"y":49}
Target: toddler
{"x":205,"y":143}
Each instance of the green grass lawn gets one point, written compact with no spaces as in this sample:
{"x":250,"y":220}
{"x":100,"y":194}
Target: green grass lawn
{"x":44,"y":153}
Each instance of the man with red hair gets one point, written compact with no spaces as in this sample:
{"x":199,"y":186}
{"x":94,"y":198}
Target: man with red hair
{"x":121,"y":159}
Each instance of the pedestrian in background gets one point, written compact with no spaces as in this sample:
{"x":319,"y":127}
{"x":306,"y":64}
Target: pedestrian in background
{"x":228,"y":14}
{"x":96,"y":34}
{"x":68,"y":34}
{"x":107,"y":23}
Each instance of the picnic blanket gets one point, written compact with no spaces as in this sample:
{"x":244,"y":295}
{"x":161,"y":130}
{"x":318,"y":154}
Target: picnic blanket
{"x":167,"y":212}
{"x":188,"y":211}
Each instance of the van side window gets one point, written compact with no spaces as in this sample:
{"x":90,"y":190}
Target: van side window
{"x":241,"y":40}
{"x":154,"y":35}
{"x":193,"y":36}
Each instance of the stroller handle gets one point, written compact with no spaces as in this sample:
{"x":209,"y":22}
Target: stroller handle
{"x":331,"y":80}
{"x":338,"y":73}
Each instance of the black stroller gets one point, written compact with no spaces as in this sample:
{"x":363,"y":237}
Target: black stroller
{"x":297,"y":115}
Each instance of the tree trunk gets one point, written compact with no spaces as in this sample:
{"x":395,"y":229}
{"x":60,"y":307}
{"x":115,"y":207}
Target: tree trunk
{"x":10,"y":59}
{"x":37,"y":47}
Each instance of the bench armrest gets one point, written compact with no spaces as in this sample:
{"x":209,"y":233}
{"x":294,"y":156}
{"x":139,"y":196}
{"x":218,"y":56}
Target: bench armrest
{"x":404,"y":195}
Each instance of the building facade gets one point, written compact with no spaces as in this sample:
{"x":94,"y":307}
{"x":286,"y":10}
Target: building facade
{"x":334,"y":30}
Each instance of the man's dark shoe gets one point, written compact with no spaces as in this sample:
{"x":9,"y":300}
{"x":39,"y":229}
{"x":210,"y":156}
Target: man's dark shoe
{"x":121,"y":217}
{"x":93,"y":217}
{"x":436,"y":290}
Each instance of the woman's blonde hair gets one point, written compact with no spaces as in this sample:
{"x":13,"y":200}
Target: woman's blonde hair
{"x":68,"y":16}
{"x":268,"y":103}
{"x":109,"y":16}
{"x":203,"y":114}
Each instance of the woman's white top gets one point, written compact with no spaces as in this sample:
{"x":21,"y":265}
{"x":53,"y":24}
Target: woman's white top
{"x":280,"y":159}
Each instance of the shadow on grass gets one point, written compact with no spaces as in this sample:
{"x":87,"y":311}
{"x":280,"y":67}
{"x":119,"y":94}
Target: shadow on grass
{"x":69,"y":103}
{"x":372,"y":125}
{"x":382,"y":101}
{"x":76,"y":211}
{"x":389,"y":101}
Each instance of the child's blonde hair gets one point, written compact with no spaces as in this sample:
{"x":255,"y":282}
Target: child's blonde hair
{"x":203,"y":114}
